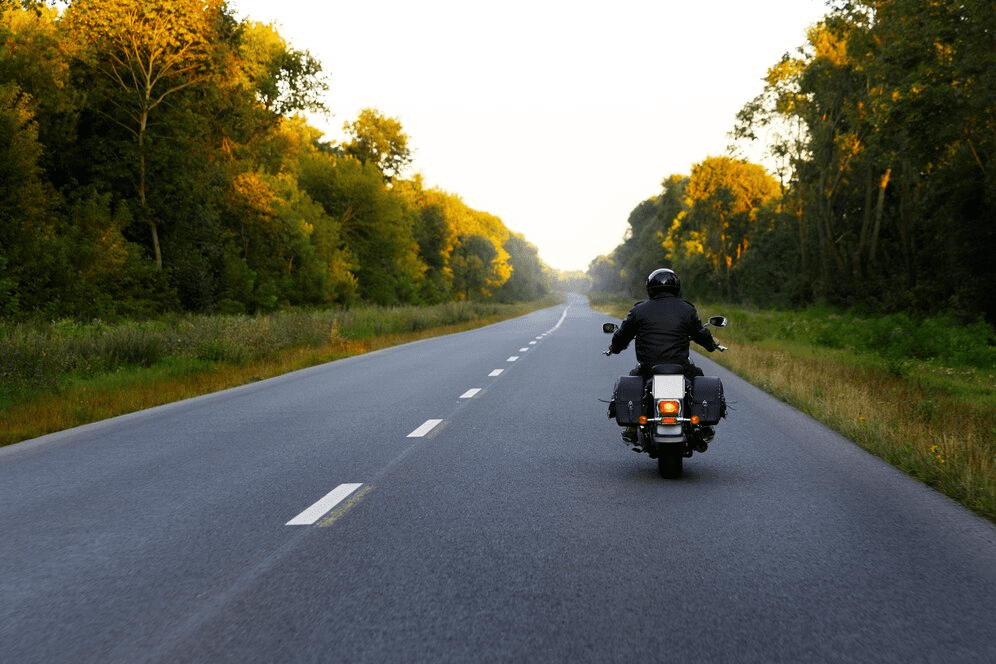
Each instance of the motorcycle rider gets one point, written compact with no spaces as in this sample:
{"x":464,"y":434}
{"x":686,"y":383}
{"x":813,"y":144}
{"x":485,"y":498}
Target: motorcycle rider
{"x":662,"y":326}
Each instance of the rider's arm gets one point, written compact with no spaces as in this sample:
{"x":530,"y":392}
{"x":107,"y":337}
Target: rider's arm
{"x":625,"y":334}
{"x":700,"y":334}
{"x":703,"y":337}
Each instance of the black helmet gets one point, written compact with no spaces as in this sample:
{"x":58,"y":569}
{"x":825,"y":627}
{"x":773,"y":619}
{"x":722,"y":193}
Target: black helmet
{"x":663,"y":281}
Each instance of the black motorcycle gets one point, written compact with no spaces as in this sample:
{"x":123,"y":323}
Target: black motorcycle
{"x":669,"y":416}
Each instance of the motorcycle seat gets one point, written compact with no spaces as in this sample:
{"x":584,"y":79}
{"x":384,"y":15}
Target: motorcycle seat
{"x":667,"y":369}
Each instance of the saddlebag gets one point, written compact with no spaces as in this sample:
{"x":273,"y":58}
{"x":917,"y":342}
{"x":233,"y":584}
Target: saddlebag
{"x":708,"y":401}
{"x":627,"y":400}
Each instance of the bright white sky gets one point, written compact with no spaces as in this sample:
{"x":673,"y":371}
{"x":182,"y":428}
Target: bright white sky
{"x":558,"y":116}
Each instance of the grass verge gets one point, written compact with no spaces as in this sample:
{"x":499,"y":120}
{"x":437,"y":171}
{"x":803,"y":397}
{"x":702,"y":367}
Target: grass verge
{"x":930,"y":414}
{"x":61,"y":375}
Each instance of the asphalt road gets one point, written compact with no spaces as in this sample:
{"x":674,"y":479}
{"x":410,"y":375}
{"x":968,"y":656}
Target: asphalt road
{"x":504,"y":525}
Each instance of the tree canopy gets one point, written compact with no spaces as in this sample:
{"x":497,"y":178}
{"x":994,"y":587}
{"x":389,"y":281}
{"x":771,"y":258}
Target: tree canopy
{"x":881,"y":134}
{"x":153,"y":159}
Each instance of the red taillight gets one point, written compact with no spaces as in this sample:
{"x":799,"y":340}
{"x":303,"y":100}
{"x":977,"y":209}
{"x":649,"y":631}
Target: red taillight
{"x":669,"y":407}
{"x":695,"y":419}
{"x":669,"y":410}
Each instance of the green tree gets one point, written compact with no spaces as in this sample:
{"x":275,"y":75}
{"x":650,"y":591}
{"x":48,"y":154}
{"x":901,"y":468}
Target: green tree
{"x":931,"y":103}
{"x":33,"y":57}
{"x":435,"y":234}
{"x":147,"y":52}
{"x":26,"y":229}
{"x":723,"y":197}
{"x":471,"y":263}
{"x":379,"y":141}
{"x":284,"y":80}
{"x":376,"y":225}
{"x":529,"y":280}
{"x":288,"y":252}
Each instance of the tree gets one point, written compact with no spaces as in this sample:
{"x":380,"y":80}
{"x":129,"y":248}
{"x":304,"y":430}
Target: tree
{"x":931,"y":102}
{"x":289,"y":249}
{"x":376,"y":225}
{"x":148,"y":51}
{"x":148,"y":163}
{"x":25,"y":225}
{"x":605,"y":275}
{"x":723,"y":196}
{"x":32,"y":57}
{"x":284,"y":80}
{"x":435,"y":233}
{"x":529,"y":279}
{"x":471,"y":263}
{"x":379,"y":141}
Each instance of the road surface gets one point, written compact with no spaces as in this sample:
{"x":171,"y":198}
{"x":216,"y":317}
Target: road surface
{"x":465,"y":499}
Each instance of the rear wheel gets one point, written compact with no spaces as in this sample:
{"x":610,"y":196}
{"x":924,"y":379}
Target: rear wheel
{"x":669,"y":463}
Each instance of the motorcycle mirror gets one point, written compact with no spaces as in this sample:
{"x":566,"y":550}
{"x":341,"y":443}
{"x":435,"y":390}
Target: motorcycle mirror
{"x":609,"y":328}
{"x":717,"y":321}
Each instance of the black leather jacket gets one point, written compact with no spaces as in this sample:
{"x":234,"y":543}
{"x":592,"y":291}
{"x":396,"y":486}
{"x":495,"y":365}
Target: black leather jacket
{"x":662,"y":327}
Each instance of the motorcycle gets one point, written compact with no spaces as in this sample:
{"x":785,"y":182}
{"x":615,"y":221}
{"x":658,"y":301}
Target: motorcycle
{"x":671,"y":415}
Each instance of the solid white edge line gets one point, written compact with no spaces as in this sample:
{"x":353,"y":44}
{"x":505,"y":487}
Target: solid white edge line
{"x":469,"y":394}
{"x":424,"y":429}
{"x":323,"y":506}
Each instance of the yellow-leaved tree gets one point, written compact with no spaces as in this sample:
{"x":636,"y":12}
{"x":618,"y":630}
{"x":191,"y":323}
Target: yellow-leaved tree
{"x":722,"y":198}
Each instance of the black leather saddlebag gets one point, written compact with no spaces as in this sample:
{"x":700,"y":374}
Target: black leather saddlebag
{"x":627,"y":400}
{"x":708,"y":401}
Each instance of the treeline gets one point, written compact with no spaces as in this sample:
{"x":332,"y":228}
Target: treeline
{"x":153,"y":158}
{"x":882,"y":132}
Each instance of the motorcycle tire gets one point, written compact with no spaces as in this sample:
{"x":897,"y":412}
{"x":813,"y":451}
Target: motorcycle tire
{"x":669,"y":464}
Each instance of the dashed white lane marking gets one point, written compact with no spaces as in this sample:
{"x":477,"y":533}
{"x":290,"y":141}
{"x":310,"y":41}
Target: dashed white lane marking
{"x":496,"y":372}
{"x":532,"y":343}
{"x":538,"y":338}
{"x":523,"y":350}
{"x":512,"y":359}
{"x":469,"y":394}
{"x":324,"y":506}
{"x":424,"y":429}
